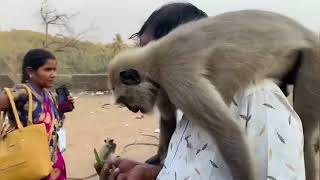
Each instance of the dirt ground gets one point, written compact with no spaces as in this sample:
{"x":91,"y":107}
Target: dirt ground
{"x":93,"y":120}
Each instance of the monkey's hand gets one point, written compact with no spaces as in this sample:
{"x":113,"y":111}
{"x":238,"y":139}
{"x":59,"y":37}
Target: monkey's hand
{"x":105,"y":153}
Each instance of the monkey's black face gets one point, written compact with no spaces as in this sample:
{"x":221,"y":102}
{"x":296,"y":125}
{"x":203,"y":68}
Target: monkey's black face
{"x":135,"y":92}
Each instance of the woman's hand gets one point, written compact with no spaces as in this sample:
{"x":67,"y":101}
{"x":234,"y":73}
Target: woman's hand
{"x":71,"y":99}
{"x":6,"y":127}
{"x":63,"y":116}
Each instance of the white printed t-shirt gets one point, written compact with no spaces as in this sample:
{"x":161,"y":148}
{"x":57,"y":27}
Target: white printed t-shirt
{"x":272,"y":126}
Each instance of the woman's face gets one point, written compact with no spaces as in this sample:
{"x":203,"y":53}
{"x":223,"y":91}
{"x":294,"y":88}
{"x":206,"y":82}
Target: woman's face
{"x":45,"y":75}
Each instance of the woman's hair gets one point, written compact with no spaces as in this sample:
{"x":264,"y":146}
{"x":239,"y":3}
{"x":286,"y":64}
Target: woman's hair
{"x":35,"y":58}
{"x":168,"y":17}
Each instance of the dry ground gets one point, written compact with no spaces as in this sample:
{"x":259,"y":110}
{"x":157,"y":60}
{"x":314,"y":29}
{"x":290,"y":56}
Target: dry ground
{"x":92,"y":121}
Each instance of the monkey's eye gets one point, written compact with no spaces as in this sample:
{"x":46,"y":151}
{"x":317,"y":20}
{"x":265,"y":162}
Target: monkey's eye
{"x":130,"y":77}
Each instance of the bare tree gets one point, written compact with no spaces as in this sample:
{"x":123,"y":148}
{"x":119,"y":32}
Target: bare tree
{"x":51,"y":18}
{"x":117,"y":45}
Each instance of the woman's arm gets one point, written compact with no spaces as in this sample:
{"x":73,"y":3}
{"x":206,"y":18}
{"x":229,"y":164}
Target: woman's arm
{"x":17,"y":92}
{"x":4,"y":102}
{"x":5,"y":126}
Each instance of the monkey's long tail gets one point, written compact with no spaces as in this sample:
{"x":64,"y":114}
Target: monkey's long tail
{"x":306,"y":103}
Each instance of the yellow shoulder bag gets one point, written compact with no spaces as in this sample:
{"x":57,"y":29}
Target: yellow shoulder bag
{"x":24,"y":152}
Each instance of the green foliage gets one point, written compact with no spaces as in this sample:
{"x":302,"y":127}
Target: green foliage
{"x":86,"y":57}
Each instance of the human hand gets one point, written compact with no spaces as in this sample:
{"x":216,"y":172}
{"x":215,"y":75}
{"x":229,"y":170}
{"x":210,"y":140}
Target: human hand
{"x":6,"y":128}
{"x":128,"y":170}
{"x":117,"y":162}
{"x":138,"y":172}
{"x":71,"y":99}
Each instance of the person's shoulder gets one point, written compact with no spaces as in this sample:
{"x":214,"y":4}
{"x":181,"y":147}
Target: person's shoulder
{"x":264,"y":86}
{"x":258,"y":92}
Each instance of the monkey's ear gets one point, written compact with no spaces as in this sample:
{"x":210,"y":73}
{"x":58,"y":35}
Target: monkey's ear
{"x":130,"y":77}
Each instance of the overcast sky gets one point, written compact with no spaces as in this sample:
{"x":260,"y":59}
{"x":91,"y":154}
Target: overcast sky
{"x":126,"y":16}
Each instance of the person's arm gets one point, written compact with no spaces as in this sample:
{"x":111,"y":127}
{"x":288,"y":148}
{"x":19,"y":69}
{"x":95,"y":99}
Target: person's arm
{"x":5,"y":126}
{"x":17,"y":92}
{"x":4,"y":102}
{"x":9,"y":125}
{"x":128,"y":169}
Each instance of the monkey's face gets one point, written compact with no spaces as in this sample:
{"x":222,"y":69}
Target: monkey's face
{"x":136,"y":92}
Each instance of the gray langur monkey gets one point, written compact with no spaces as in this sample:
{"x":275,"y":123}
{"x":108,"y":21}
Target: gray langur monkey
{"x":200,"y":66}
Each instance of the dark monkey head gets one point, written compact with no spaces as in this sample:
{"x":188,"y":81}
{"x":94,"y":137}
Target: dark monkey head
{"x":136,"y":92}
{"x":129,"y":86}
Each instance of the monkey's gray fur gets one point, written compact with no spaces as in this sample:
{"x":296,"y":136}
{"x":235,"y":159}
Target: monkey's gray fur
{"x":201,"y":65}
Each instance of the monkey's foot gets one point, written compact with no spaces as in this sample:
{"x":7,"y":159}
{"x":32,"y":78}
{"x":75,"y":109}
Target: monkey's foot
{"x":154,"y":160}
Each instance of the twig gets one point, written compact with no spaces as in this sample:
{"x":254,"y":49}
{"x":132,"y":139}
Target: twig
{"x":138,"y":144}
{"x":149,"y":135}
{"x":124,"y":150}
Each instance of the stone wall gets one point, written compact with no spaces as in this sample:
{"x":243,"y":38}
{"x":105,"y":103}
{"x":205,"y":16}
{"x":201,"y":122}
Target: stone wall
{"x":86,"y":82}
